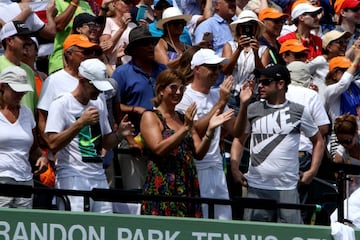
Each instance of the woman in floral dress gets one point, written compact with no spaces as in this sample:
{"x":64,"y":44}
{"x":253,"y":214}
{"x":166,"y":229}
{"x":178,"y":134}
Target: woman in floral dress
{"x":171,"y":143}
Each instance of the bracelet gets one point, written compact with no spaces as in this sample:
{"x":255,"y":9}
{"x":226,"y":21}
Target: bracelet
{"x":209,"y":136}
{"x":105,"y":9}
{"x":74,"y":4}
{"x":132,"y":109}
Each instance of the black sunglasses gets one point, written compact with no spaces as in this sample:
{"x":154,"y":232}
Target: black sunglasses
{"x":355,"y":9}
{"x":178,"y":22}
{"x":345,"y":141}
{"x":265,"y":81}
{"x":281,"y":20}
{"x":212,"y":67}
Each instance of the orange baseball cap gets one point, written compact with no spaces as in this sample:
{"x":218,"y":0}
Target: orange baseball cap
{"x":270,"y":13}
{"x":292,"y":45}
{"x":339,"y":62}
{"x":78,"y":40}
{"x":344,"y":4}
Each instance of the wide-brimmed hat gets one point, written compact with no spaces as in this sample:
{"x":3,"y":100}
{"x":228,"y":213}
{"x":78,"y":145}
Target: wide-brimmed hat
{"x":137,"y":36}
{"x":95,"y":70}
{"x":248,"y":16}
{"x":14,"y":28}
{"x":16,"y":78}
{"x":172,"y":14}
{"x":332,"y":36}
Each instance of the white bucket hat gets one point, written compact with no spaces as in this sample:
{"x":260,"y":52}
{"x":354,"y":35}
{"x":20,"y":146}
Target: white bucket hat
{"x":247,"y":16}
{"x":171,"y":14}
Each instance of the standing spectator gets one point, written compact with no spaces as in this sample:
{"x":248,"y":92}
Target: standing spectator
{"x":77,"y":48}
{"x":169,"y":46}
{"x":67,"y":10}
{"x":79,"y":133}
{"x":274,"y":166}
{"x":348,"y":12}
{"x":115,"y":36}
{"x":14,"y":35}
{"x":273,"y":20}
{"x":218,"y":25}
{"x":173,"y":144}
{"x":206,"y":66}
{"x":244,"y":52}
{"x":334,"y":44}
{"x":136,"y":81}
{"x":17,"y":138}
{"x":88,"y":25}
{"x":306,"y":17}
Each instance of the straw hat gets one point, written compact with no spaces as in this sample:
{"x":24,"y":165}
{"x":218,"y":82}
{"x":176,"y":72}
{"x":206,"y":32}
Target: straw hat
{"x":172,"y":14}
{"x":247,"y":16}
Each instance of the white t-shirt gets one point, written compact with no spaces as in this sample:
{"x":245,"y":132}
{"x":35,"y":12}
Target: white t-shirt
{"x":275,"y":135}
{"x":332,"y":95}
{"x":54,"y":86}
{"x":204,"y":104}
{"x":16,"y":140}
{"x":319,"y":68}
{"x":81,"y":157}
{"x":245,"y":65}
{"x":10,"y":11}
{"x":110,"y":29}
{"x":311,"y":100}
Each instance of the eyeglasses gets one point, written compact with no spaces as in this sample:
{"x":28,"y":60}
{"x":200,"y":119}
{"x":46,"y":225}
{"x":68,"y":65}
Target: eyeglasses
{"x":300,"y":55}
{"x":127,"y":2}
{"x":313,"y":14}
{"x":281,"y":20}
{"x":175,"y":88}
{"x":212,"y":67}
{"x":340,"y":41}
{"x":345,"y":141}
{"x":355,"y":9}
{"x":265,"y":81}
{"x":93,"y":25}
{"x":89,"y":52}
{"x":178,"y":22}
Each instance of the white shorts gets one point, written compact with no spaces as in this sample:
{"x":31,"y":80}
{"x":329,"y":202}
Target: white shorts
{"x":87,"y":184}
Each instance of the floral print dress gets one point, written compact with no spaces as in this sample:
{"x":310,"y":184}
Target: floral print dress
{"x":172,"y":175}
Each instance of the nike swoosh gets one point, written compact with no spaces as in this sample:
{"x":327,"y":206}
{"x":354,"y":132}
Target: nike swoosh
{"x":84,"y":142}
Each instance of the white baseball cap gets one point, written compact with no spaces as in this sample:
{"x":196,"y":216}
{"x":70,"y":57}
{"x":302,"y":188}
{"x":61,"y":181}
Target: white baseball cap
{"x":302,"y":8}
{"x":16,"y":78}
{"x":206,"y":56}
{"x":14,"y":28}
{"x":95,"y":70}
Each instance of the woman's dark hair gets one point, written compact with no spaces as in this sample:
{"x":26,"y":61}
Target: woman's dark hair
{"x":345,"y":124}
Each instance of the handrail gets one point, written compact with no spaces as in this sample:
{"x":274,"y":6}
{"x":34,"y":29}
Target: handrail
{"x":136,"y":196}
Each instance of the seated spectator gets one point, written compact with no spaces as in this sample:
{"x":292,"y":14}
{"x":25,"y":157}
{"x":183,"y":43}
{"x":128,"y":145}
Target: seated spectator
{"x":293,"y":50}
{"x":169,"y":46}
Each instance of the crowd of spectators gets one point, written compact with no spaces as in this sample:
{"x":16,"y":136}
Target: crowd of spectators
{"x":151,"y":90}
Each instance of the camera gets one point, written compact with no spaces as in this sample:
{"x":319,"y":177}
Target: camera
{"x":247,"y":30}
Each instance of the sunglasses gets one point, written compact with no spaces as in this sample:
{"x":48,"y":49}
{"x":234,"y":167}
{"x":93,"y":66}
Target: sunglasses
{"x":175,"y":88}
{"x":93,"y":25}
{"x":313,"y":14}
{"x":211,"y":67}
{"x":355,"y":9}
{"x":127,"y":2}
{"x":340,"y":41}
{"x":178,"y":22}
{"x":345,"y":141}
{"x":281,"y":20}
{"x":265,"y":82}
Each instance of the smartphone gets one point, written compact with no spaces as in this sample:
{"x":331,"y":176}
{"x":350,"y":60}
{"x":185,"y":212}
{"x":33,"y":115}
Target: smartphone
{"x":208,"y":37}
{"x":247,"y":30}
{"x":141,"y":12}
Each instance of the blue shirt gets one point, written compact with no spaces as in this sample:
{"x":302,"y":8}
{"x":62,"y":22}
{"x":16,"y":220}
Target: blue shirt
{"x":157,"y":32}
{"x":220,"y":29}
{"x":135,"y":87}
